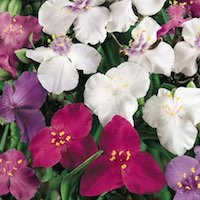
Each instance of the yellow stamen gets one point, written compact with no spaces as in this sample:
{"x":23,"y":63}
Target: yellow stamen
{"x":121,"y":152}
{"x":53,"y":133}
{"x":53,"y":37}
{"x":61,"y":133}
{"x":128,"y":155}
{"x":198,"y":185}
{"x":124,"y":166}
{"x":1,"y":160}
{"x":68,"y":138}
{"x":15,"y":168}
{"x":10,"y":173}
{"x":180,"y":184}
{"x":193,"y":170}
{"x":196,"y":178}
{"x":20,"y":161}
{"x":169,"y":95}
{"x":187,"y":187}
{"x":62,"y":142}
{"x":57,"y":144}
{"x":53,"y":140}
{"x":184,"y":175}
{"x":112,"y":158}
{"x":4,"y":169}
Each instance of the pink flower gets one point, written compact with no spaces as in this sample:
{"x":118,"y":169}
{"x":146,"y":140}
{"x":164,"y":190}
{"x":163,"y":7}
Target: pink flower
{"x":66,"y":140}
{"x":192,"y":6}
{"x":16,"y":177}
{"x":14,"y":34}
{"x":122,"y":163}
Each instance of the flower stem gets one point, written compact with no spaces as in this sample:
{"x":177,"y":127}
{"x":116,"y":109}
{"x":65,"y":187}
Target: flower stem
{"x":116,"y":40}
{"x":4,"y":138}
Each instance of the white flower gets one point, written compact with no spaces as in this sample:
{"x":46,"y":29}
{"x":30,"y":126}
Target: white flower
{"x":116,"y":92}
{"x":160,"y":59}
{"x":122,"y":15}
{"x":60,"y":61}
{"x":89,"y":19}
{"x":175,"y":117}
{"x":187,"y":52}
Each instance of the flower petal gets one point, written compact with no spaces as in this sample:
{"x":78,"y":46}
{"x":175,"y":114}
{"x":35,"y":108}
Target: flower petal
{"x":75,"y":119}
{"x":185,"y":59}
{"x":121,"y":21}
{"x":4,"y":184}
{"x":24,"y":184}
{"x":97,"y":2}
{"x":90,"y":26}
{"x":44,"y":154}
{"x":179,"y":166}
{"x":58,"y":75}
{"x":101,"y":176}
{"x":143,"y":175}
{"x":40,"y":54}
{"x":78,"y":151}
{"x":53,"y":16}
{"x":187,"y":195}
{"x":148,"y":7}
{"x":119,"y":135}
{"x":161,"y":58}
{"x":84,"y":58}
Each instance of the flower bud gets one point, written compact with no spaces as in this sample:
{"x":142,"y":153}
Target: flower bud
{"x":4,"y":75}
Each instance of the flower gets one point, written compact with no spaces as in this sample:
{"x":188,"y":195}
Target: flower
{"x":122,"y":163}
{"x":192,"y":6}
{"x":21,"y":103}
{"x":66,"y":140}
{"x":89,"y":19}
{"x":16,"y":177}
{"x":183,"y":176}
{"x":175,"y":117}
{"x":121,"y":21}
{"x":116,"y":92}
{"x":187,"y":51}
{"x":60,"y":61}
{"x":14,"y":34}
{"x":159,"y":59}
{"x":176,"y":13}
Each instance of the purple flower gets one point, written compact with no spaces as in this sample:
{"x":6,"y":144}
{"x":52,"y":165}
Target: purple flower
{"x":14,"y":34}
{"x":192,"y":6}
{"x":21,"y":104}
{"x":16,"y":177}
{"x":183,"y":176}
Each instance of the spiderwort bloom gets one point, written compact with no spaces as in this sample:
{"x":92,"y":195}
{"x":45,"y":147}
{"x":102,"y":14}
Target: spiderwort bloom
{"x":187,"y":51}
{"x":192,"y":6}
{"x":175,"y":117}
{"x":66,"y":140}
{"x":116,"y":92}
{"x":60,"y":61}
{"x":57,"y":16}
{"x":16,"y":177}
{"x":158,"y":60}
{"x":183,"y":176}
{"x":122,"y":163}
{"x":22,"y":102}
{"x":14,"y":34}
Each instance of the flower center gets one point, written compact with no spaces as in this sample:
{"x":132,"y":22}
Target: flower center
{"x":189,"y":182}
{"x":59,"y":139}
{"x":8,"y":167}
{"x":122,"y":157}
{"x":60,"y":44}
{"x":79,"y":6}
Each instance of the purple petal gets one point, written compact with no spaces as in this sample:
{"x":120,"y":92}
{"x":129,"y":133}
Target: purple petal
{"x":28,"y":91}
{"x":197,"y":152}
{"x":190,"y":195}
{"x":24,"y":184}
{"x":4,"y":184}
{"x":30,"y":121}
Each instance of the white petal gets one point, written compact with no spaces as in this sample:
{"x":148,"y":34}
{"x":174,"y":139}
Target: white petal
{"x":177,"y":135}
{"x":190,"y":30}
{"x":149,"y":26}
{"x":90,"y":26}
{"x":84,"y":58}
{"x":121,"y":21}
{"x":40,"y":54}
{"x":101,"y":100}
{"x":152,"y":111}
{"x":190,"y":99}
{"x":58,"y":75}
{"x":161,"y":58}
{"x":185,"y":59}
{"x":54,"y":17}
{"x":148,"y":7}
{"x":131,"y":77}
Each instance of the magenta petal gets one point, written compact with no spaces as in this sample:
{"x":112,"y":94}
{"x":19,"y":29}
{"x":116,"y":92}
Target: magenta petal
{"x":101,"y":176}
{"x":5,"y":19}
{"x":30,"y":121}
{"x":44,"y":154}
{"x":75,"y":119}
{"x":119,"y":135}
{"x":78,"y":151}
{"x":143,"y":175}
{"x":24,"y":184}
{"x":4,"y":184}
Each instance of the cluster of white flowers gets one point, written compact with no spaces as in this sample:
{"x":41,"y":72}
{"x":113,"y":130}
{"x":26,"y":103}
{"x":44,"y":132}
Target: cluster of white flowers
{"x":116,"y":92}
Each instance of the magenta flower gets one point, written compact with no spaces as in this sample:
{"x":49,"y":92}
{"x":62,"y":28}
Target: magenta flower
{"x":122,"y":163}
{"x":192,"y":6}
{"x":177,"y":14}
{"x":14,"y":34}
{"x":16,"y":177}
{"x":22,"y":103}
{"x":183,"y":176}
{"x":66,"y":140}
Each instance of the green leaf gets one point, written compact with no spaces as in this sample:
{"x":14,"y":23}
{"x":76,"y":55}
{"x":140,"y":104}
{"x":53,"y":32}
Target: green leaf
{"x":4,"y":75}
{"x":31,"y":40}
{"x":48,"y":176}
{"x":191,"y":84}
{"x":71,"y":181}
{"x":21,"y":55}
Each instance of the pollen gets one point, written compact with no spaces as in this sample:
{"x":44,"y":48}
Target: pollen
{"x":68,"y":138}
{"x":1,"y":160}
{"x":180,"y":184}
{"x":20,"y":161}
{"x":198,"y":185}
{"x":121,"y":152}
{"x":15,"y":168}
{"x":196,"y":178}
{"x":53,"y":37}
{"x":169,"y":95}
{"x":184,"y":175}
{"x":128,"y":155}
{"x":193,"y":170}
{"x":53,"y":140}
{"x":187,"y":187}
{"x":4,"y":169}
{"x":62,"y":142}
{"x":61,"y":133}
{"x":57,"y":144}
{"x":124,"y":166}
{"x":53,"y":133}
{"x":10,"y":173}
